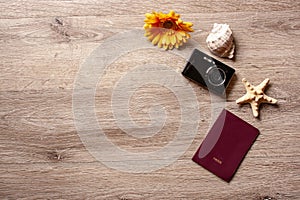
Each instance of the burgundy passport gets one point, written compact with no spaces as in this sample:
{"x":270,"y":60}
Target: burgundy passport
{"x":225,"y":145}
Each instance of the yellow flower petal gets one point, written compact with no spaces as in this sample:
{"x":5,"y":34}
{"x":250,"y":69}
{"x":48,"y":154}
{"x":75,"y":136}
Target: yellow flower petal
{"x":166,"y":46}
{"x":159,"y":44}
{"x":182,"y":33}
{"x":152,"y":36}
{"x":165,"y":39}
{"x":188,"y":24}
{"x":179,"y":36}
{"x":151,"y":21}
{"x":171,"y":46}
{"x":146,"y":26}
{"x":173,"y":39}
{"x":156,"y":39}
{"x":149,"y":15}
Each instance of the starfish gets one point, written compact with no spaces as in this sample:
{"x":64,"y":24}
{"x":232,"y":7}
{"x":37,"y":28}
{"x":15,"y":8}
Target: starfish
{"x":255,"y":96}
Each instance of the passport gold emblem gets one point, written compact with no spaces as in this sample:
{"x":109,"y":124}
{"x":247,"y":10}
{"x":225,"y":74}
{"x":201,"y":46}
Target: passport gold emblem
{"x":217,"y":160}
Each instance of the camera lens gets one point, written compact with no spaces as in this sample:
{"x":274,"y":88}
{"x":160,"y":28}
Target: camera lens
{"x":216,"y":76}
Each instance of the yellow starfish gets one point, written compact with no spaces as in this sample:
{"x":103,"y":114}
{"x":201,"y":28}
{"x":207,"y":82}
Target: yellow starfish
{"x":255,"y":96}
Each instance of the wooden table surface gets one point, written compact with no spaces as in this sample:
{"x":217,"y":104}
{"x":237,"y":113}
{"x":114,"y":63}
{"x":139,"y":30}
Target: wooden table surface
{"x":43,"y":44}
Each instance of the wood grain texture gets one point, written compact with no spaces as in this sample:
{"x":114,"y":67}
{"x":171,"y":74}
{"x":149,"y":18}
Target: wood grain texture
{"x":44,"y":43}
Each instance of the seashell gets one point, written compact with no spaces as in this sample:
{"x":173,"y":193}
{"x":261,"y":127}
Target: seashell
{"x":220,"y":41}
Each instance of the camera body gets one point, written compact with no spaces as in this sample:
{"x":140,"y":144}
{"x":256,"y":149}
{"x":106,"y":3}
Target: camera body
{"x":208,"y":72}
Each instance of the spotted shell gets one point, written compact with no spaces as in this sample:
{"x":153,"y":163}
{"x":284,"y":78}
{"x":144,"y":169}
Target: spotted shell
{"x":220,"y":41}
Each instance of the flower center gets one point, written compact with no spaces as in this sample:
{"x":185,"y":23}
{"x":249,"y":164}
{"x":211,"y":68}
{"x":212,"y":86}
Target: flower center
{"x":168,"y":24}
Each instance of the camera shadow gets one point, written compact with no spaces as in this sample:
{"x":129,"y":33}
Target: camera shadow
{"x":232,"y":82}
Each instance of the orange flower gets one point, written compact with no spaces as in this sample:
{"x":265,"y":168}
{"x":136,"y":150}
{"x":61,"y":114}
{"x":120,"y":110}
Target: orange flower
{"x":166,"y":30}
